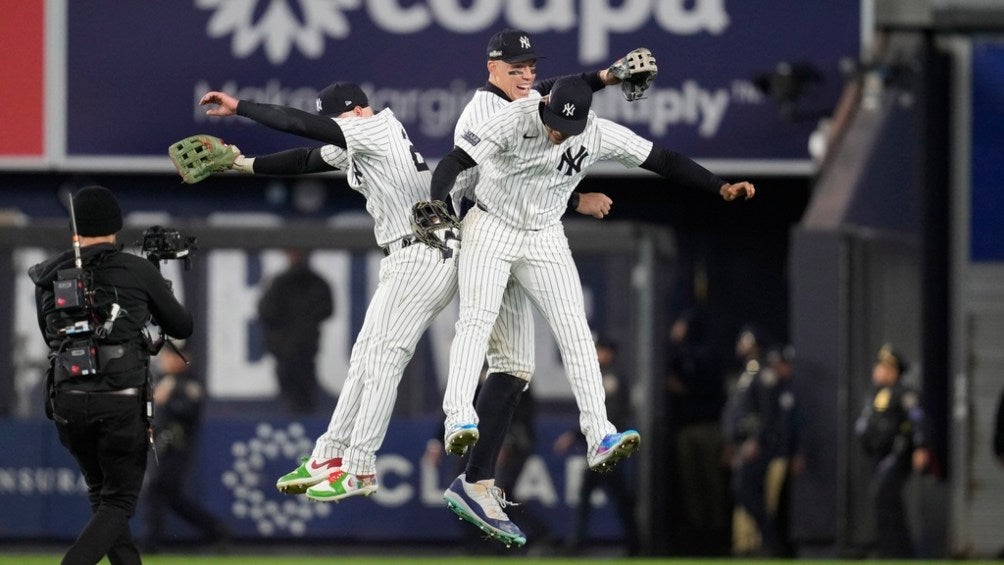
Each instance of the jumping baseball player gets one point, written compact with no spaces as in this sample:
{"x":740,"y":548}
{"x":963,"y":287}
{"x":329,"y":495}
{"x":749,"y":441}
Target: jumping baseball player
{"x":415,"y":284}
{"x":512,"y":68}
{"x":417,"y":278}
{"x":531,"y":155}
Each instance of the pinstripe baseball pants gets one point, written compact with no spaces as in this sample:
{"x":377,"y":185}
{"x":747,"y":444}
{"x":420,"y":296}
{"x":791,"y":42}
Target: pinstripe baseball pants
{"x":541,"y":263}
{"x":415,"y":285}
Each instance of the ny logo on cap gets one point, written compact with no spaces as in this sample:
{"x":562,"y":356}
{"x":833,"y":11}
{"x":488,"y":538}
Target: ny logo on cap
{"x":569,"y":109}
{"x":319,"y":108}
{"x":524,"y":42}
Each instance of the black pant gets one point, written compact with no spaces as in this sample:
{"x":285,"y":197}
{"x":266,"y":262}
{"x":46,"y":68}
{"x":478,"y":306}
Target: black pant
{"x":297,"y":376}
{"x":166,"y":490}
{"x":749,"y":490}
{"x":510,"y":464}
{"x":106,"y":434}
{"x":892,"y":529}
{"x":615,"y":483}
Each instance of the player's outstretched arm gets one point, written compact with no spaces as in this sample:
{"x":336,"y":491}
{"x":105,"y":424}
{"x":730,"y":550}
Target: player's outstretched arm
{"x":299,"y":161}
{"x":634,"y":72}
{"x":198,"y":157}
{"x":281,"y":118}
{"x":685,"y":171}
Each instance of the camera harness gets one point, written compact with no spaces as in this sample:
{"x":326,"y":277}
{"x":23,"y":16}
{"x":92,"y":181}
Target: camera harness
{"x":79,"y":353}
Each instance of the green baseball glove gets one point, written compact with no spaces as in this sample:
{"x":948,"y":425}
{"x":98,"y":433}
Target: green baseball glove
{"x":198,"y":156}
{"x":636,"y":70}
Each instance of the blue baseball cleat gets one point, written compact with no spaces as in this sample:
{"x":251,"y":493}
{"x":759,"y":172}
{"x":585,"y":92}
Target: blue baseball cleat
{"x":481,"y":504}
{"x":612,"y":449}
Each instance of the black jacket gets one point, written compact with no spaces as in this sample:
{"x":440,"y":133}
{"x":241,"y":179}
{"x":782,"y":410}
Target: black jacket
{"x":132,"y":282}
{"x":892,"y":423}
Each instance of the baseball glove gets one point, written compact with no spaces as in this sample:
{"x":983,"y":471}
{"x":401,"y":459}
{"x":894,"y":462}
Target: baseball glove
{"x":636,"y":70}
{"x":198,"y":156}
{"x":434,"y":225}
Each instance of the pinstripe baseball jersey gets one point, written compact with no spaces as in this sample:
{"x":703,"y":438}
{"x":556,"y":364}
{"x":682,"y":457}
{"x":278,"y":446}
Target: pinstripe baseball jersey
{"x":485,"y":103}
{"x":415,"y":284}
{"x":524,"y":178}
{"x":383,"y":165}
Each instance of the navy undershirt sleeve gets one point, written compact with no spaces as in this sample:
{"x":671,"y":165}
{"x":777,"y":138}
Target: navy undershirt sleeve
{"x":292,"y":120}
{"x":592,"y":79}
{"x":447,"y":171}
{"x":302,"y":160}
{"x":681,"y":170}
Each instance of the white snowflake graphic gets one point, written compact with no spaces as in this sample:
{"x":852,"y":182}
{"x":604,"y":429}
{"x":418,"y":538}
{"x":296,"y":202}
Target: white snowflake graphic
{"x":244,"y":480}
{"x":278,"y":28}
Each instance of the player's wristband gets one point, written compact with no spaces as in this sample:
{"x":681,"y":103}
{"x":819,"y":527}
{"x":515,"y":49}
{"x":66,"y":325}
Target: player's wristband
{"x":573,"y":202}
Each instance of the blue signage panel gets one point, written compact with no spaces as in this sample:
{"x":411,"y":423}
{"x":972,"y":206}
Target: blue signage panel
{"x":43,"y":496}
{"x":135,"y":71}
{"x":987,"y":208}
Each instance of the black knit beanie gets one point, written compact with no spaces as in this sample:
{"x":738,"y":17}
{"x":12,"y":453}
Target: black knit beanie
{"x":97,"y":212}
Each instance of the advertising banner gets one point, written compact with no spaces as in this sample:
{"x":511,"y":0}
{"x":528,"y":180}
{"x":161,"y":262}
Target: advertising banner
{"x":135,"y":71}
{"x":987,"y":225}
{"x":44,"y":497}
{"x":22,"y":88}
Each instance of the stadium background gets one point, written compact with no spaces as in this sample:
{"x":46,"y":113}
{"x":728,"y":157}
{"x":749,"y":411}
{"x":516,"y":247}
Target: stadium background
{"x":893,"y":234}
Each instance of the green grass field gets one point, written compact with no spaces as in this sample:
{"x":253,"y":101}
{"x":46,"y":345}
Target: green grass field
{"x":179,"y":559}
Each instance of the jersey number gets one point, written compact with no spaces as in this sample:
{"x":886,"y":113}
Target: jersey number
{"x":420,"y":163}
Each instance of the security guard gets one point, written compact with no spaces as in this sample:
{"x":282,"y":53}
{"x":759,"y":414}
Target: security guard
{"x":768,"y":429}
{"x":892,"y":432}
{"x":94,"y":304}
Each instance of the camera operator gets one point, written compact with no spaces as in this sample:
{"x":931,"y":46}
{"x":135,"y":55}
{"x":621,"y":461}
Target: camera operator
{"x":98,"y":380}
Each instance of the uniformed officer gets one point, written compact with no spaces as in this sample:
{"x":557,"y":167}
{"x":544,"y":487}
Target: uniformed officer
{"x":93,"y":314}
{"x":892,"y":432}
{"x":767,"y":432}
{"x":179,"y":399}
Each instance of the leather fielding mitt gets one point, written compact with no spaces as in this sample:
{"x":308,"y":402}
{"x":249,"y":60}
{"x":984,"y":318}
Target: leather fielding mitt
{"x":198,"y":156}
{"x":636,"y":71}
{"x":434,"y":225}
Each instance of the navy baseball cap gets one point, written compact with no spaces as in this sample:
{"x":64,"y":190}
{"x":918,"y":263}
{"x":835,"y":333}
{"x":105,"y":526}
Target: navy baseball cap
{"x":340,"y":97}
{"x":512,"y":46}
{"x":567,"y":106}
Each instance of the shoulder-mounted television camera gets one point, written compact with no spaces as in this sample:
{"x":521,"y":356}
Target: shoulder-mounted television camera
{"x":163,"y":244}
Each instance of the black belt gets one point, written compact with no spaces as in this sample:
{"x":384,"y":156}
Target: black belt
{"x":482,"y":206}
{"x":134,"y":391}
{"x":397,"y":244}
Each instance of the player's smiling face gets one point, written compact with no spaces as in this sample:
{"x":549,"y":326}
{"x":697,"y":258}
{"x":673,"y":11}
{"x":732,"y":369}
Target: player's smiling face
{"x":515,"y":80}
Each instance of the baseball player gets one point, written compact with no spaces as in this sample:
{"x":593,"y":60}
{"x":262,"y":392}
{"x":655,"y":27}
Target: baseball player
{"x":531,"y":155}
{"x":512,"y":62}
{"x":415,"y":284}
{"x":416,"y":281}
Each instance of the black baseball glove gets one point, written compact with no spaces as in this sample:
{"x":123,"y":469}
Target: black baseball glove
{"x":435,"y":226}
{"x":636,"y":71}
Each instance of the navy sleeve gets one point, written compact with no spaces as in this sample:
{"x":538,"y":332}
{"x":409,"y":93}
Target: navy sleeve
{"x":681,"y":170}
{"x":592,"y":79}
{"x":292,"y":120}
{"x":298,"y":161}
{"x":447,"y":170}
